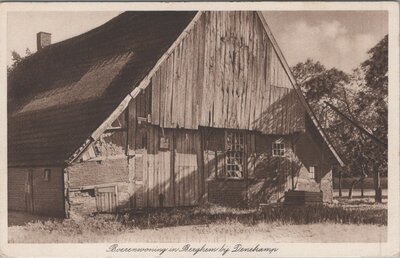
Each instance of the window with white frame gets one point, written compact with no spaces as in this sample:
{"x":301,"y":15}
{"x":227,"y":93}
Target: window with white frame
{"x":234,"y":158}
{"x":278,"y":148}
{"x":312,"y":172}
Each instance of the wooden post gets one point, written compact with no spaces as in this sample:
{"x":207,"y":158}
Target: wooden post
{"x":172,"y":165}
{"x":65,"y":179}
{"x":340,"y":183}
{"x":291,"y":161}
{"x":362,"y":187}
{"x":378,"y":189}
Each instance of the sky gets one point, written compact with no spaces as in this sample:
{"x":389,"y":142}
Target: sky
{"x":338,"y":39}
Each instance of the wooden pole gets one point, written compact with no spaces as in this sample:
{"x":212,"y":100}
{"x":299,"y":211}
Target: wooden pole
{"x":291,"y":161}
{"x":378,"y":189}
{"x":340,"y":183}
{"x":362,"y":130}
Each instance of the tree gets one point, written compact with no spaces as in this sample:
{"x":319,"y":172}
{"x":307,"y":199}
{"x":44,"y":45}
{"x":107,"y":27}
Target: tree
{"x":16,"y":59}
{"x":362,"y":96}
{"x":319,"y":84}
{"x":372,"y":102}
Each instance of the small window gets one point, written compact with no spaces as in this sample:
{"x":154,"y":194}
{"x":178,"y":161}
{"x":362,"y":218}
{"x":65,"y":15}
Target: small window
{"x":278,"y":148}
{"x":312,"y":172}
{"x":46,"y":174}
{"x":234,"y":158}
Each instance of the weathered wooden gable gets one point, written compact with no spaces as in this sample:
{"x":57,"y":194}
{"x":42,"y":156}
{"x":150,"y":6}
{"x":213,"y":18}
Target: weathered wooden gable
{"x":225,"y":73}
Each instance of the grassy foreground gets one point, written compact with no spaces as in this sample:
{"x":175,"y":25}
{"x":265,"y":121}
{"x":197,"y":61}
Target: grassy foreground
{"x":215,"y":232}
{"x":213,"y":223}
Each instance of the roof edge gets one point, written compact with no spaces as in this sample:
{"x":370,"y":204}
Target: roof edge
{"x":296,"y":87}
{"x":133,"y":94}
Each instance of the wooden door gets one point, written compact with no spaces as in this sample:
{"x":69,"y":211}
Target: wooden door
{"x":106,"y":199}
{"x":187,"y":175}
{"x":136,"y":169}
{"x":29,"y":192}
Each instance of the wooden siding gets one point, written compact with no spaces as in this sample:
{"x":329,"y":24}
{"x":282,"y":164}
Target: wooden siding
{"x":169,"y":177}
{"x":47,"y":196}
{"x":267,"y":177}
{"x":226,"y":74}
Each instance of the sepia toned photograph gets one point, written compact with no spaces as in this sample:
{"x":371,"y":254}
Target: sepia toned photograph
{"x":198,"y":126}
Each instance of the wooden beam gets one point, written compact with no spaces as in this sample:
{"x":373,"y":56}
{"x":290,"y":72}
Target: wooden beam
{"x":362,"y":130}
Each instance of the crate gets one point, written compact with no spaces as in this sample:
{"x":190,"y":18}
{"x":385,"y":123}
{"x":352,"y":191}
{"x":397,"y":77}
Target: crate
{"x":302,"y":198}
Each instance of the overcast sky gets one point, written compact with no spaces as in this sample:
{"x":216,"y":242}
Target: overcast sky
{"x":336,"y":38}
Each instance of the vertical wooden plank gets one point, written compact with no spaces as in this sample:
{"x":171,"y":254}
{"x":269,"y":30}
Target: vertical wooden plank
{"x":254,"y":97}
{"x":226,"y":19}
{"x":193,"y":77}
{"x":212,"y":99}
{"x":218,"y":72}
{"x":186,"y":112}
{"x":285,"y":110}
{"x":264,"y":96}
{"x":155,"y":101}
{"x":182,"y":170}
{"x":236,"y":68}
{"x":257,"y":76}
{"x":186,"y":188}
{"x":217,"y":42}
{"x":189,"y":188}
{"x":201,"y":64}
{"x":132,"y":127}
{"x":250,"y":88}
{"x":242,"y":61}
{"x":177,"y":87}
{"x":163,"y":174}
{"x":169,"y":161}
{"x":184,"y":73}
{"x":145,"y":181}
{"x":167,"y":180}
{"x":203,"y":165}
{"x":176,"y":168}
{"x":206,"y":81}
{"x":192,"y":170}
{"x":172,"y":166}
{"x":281,"y":111}
{"x":245,"y":53}
{"x":151,"y":179}
{"x":163,"y":93}
{"x":169,"y":90}
{"x":157,"y":181}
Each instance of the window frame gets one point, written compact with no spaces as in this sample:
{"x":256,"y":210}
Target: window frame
{"x":278,"y":148}
{"x":312,"y":169}
{"x":235,"y":145}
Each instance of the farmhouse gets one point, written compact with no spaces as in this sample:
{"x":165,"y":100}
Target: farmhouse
{"x":161,"y":109}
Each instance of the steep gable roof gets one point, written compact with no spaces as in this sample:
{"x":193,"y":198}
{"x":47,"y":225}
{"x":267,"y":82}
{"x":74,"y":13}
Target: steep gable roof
{"x":61,"y":94}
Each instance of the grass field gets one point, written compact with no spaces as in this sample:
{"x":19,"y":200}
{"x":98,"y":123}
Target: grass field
{"x":350,"y":220}
{"x":218,"y":232}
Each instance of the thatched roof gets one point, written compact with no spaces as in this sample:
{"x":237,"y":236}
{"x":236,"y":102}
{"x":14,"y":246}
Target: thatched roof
{"x":60,"y":94}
